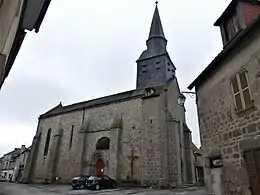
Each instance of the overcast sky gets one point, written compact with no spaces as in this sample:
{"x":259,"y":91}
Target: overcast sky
{"x":87,"y":48}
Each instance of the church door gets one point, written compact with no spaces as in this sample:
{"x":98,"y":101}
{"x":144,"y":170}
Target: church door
{"x":100,"y":167}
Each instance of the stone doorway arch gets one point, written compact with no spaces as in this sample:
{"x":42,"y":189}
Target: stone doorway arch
{"x":97,"y":164}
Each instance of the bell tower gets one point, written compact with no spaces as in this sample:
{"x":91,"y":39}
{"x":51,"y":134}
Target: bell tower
{"x":154,"y":66}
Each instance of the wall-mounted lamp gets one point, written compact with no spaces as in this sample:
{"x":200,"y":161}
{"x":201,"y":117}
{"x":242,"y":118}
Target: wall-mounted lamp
{"x":182,"y":98}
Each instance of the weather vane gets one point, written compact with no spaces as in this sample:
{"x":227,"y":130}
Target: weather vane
{"x":156,"y":2}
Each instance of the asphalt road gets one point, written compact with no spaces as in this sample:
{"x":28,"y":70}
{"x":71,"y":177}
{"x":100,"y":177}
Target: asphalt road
{"x":22,"y":189}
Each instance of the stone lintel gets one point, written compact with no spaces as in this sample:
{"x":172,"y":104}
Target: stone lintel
{"x":249,"y":144}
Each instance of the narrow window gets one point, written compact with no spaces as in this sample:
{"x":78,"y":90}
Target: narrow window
{"x":46,"y":148}
{"x":241,"y":91}
{"x":71,"y":136}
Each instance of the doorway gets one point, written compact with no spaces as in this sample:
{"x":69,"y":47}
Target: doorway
{"x":252,"y":159}
{"x":100,"y":167}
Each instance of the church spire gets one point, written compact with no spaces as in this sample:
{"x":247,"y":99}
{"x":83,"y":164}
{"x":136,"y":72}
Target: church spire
{"x":154,"y":66}
{"x":156,"y":29}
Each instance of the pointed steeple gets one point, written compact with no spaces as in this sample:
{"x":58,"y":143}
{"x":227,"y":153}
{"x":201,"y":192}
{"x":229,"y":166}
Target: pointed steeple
{"x":156,"y":29}
{"x":154,"y":66}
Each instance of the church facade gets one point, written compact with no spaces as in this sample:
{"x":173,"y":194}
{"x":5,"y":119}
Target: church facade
{"x":139,"y":135}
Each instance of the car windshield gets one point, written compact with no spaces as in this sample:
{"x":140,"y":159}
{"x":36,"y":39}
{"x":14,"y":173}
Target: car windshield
{"x":92,"y":178}
{"x":76,"y":177}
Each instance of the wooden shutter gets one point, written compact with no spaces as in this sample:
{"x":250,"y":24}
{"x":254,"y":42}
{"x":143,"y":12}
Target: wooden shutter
{"x":245,"y":89}
{"x":241,"y":91}
{"x":237,"y":94}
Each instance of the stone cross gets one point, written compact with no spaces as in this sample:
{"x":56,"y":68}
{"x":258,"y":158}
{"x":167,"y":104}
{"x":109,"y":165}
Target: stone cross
{"x":132,"y":158}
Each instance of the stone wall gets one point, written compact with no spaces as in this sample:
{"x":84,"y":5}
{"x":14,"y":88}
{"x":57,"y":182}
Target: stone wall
{"x":150,"y":126}
{"x":221,"y":127}
{"x":101,"y":120}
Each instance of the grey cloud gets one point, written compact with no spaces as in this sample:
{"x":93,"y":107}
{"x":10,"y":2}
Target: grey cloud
{"x":24,"y":98}
{"x":88,"y":49}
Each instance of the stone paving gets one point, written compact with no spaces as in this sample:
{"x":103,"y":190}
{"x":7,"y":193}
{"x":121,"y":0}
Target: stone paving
{"x":21,"y":189}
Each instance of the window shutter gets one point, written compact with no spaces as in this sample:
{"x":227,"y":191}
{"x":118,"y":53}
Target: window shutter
{"x":241,"y":91}
{"x":236,"y":93}
{"x":245,"y":89}
{"x":243,"y":80}
{"x":235,"y":85}
{"x":247,"y":98}
{"x":238,"y":102}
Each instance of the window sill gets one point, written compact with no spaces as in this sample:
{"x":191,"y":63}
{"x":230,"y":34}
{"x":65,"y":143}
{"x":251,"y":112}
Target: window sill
{"x":245,"y":110}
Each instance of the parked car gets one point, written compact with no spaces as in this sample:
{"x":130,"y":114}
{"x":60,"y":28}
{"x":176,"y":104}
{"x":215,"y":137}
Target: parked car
{"x":79,"y":182}
{"x":100,"y":182}
{"x":2,"y":179}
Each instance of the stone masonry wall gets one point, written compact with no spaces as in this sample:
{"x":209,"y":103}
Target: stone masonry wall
{"x":102,"y":118}
{"x":150,"y":127}
{"x":220,"y":126}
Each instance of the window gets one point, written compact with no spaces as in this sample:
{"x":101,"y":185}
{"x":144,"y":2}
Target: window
{"x":241,"y":91}
{"x":71,"y":136}
{"x":46,"y":148}
{"x":232,"y":26}
{"x":103,"y":143}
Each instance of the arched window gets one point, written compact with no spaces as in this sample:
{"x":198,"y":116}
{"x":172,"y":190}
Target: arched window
{"x":103,"y":143}
{"x":47,"y":143}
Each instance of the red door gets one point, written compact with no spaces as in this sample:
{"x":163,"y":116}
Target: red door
{"x":100,"y":167}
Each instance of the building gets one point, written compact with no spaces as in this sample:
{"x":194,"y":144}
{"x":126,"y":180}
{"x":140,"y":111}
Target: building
{"x":228,"y":104}
{"x":17,"y":17}
{"x":12,"y":164}
{"x":139,"y":135}
{"x":198,"y":165}
{"x":8,"y":164}
{"x":1,"y":166}
{"x":20,"y":162}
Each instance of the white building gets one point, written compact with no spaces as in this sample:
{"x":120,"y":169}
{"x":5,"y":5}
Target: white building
{"x":12,"y":164}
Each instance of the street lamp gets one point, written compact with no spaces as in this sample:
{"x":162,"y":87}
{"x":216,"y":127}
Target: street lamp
{"x":182,"y":98}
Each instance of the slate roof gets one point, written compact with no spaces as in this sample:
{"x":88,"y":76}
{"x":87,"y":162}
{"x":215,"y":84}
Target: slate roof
{"x":124,"y":96}
{"x":156,"y":29}
{"x":241,"y":36}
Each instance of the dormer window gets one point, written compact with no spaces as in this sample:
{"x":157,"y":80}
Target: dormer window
{"x":237,"y":16}
{"x":232,"y":27}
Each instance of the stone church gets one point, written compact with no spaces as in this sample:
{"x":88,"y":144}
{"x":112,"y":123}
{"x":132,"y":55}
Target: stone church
{"x":139,"y":135}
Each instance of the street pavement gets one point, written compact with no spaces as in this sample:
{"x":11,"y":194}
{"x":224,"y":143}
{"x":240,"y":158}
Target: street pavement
{"x":22,"y":189}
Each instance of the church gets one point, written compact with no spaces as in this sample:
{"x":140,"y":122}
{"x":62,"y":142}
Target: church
{"x":139,"y":135}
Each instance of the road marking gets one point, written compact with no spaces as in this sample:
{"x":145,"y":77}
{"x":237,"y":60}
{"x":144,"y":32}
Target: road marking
{"x":180,"y":193}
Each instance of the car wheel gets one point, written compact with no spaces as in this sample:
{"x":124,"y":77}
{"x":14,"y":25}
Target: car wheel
{"x":81,"y":186}
{"x":97,"y":187}
{"x":114,"y":185}
{"x":74,"y":188}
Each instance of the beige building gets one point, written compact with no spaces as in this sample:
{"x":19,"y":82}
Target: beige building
{"x":135,"y":136}
{"x":228,"y":104}
{"x":12,"y":164}
{"x":17,"y":17}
